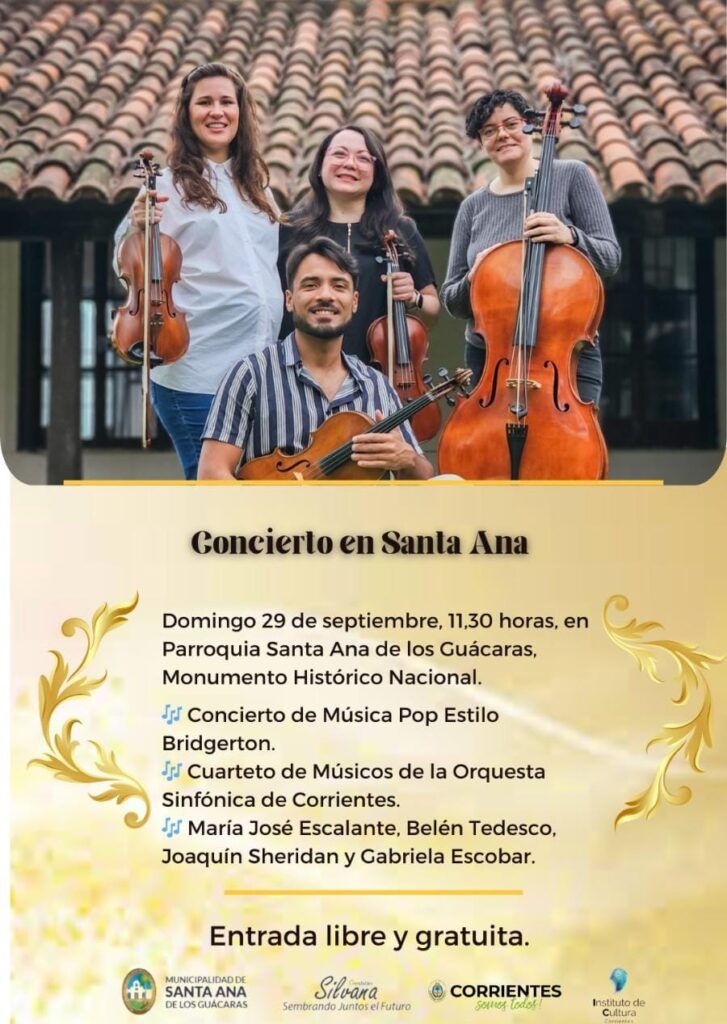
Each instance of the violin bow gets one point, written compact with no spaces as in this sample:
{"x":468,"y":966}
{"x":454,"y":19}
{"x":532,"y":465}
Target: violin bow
{"x":389,"y":313}
{"x":145,"y":439}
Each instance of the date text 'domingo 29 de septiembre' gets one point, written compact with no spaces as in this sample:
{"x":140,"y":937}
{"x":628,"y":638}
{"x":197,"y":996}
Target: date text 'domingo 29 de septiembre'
{"x":256,"y":643}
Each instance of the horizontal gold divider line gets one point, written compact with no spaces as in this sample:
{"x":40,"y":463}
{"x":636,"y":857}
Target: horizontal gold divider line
{"x":374,"y":892}
{"x":364,"y":483}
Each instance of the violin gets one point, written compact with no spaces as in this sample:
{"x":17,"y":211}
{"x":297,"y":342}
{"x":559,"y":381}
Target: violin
{"x":399,"y":347}
{"x":149,"y":330}
{"x":328,"y":456}
{"x":535,"y":305}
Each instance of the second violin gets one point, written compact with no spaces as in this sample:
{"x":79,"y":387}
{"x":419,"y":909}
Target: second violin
{"x":399,"y":347}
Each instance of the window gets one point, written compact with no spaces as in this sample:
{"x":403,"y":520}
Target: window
{"x":658,"y":345}
{"x":111,"y":409}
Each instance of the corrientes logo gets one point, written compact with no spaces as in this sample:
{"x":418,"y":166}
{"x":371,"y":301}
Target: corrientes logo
{"x":437,"y":991}
{"x":138,"y":991}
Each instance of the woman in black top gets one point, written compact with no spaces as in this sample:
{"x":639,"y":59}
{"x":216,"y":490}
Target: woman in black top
{"x":352,"y":200}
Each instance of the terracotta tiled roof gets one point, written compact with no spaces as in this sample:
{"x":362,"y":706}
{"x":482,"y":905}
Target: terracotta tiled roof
{"x":84,"y":86}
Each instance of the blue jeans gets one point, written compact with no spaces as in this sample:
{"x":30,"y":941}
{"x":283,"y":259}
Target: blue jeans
{"x":183,"y":415}
{"x":589,"y":372}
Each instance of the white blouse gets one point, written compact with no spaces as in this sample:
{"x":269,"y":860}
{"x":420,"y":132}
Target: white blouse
{"x":229,"y":289}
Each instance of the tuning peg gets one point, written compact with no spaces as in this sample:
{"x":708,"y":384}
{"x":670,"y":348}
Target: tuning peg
{"x":578,"y":108}
{"x":575,"y":122}
{"x":427,"y":379}
{"x":528,"y":129}
{"x":442,"y":372}
{"x":449,"y":400}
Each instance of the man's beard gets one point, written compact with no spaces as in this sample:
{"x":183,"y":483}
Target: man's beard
{"x":324,"y":332}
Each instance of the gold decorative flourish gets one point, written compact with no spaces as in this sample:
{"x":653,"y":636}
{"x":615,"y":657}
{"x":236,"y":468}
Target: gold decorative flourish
{"x":687,"y":738}
{"x":61,"y":686}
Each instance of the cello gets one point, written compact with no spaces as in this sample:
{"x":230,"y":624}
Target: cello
{"x":149,"y":331}
{"x":536,"y":305}
{"x":399,"y":346}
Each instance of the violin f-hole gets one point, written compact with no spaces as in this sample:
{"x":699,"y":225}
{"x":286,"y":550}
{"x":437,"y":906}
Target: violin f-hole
{"x":485,"y":402}
{"x":298,"y":466}
{"x":556,"y":386}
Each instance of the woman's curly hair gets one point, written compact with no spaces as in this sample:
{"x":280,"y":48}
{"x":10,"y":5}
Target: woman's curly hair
{"x":483,"y":108}
{"x":186,"y":158}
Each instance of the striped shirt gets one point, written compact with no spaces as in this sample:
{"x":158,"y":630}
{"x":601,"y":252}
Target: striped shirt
{"x":269,"y":400}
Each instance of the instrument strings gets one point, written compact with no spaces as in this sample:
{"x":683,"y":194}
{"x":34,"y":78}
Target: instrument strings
{"x":403,"y":356}
{"x":532,"y":275}
{"x":340,"y":456}
{"x":521,"y":393}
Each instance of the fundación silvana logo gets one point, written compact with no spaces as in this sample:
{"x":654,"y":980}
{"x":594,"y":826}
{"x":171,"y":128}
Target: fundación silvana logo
{"x":138,"y":991}
{"x":619,"y":977}
{"x":437,"y":991}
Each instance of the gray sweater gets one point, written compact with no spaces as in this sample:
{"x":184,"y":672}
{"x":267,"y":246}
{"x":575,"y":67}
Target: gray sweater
{"x":485,"y":219}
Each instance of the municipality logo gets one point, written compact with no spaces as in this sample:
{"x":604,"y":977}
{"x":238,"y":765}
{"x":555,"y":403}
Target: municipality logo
{"x":619,"y":977}
{"x":138,"y":991}
{"x":437,"y":991}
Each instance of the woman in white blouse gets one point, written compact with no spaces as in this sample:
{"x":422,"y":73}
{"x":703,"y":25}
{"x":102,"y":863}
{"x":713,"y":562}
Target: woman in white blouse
{"x":214,"y":201}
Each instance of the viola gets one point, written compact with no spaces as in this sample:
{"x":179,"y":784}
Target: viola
{"x":399,"y":347}
{"x":149,"y":330}
{"x":535,"y":305}
{"x":328,"y":456}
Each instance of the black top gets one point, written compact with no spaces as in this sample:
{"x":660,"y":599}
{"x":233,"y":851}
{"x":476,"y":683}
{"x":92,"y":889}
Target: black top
{"x":372,"y":290}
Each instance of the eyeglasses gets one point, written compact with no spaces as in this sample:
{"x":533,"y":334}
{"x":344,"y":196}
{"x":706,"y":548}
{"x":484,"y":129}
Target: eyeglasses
{"x":511,"y":126}
{"x":340,"y":156}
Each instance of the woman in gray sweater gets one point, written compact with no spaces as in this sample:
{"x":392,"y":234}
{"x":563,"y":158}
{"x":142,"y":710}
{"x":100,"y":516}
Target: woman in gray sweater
{"x":494,"y":214}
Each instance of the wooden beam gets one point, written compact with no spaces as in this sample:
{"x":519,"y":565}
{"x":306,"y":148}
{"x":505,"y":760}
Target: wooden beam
{"x":29,"y":355}
{"x":64,"y":429}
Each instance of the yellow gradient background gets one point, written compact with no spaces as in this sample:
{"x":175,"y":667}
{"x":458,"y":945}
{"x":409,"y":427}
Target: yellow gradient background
{"x":90,"y":899}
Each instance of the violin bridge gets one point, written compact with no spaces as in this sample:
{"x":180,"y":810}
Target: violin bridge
{"x":512,"y":382}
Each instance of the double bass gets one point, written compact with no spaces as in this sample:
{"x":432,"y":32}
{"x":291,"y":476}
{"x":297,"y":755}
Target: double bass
{"x":399,"y":346}
{"x":535,"y":305}
{"x":149,"y":331}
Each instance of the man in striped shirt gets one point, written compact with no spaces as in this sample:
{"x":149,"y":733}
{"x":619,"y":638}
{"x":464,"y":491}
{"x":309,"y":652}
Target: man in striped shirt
{"x":277,"y":397}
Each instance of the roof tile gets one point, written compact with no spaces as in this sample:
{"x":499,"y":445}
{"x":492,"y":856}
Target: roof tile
{"x":712,"y":180}
{"x":672,"y":181}
{"x":86,"y":84}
